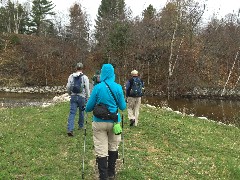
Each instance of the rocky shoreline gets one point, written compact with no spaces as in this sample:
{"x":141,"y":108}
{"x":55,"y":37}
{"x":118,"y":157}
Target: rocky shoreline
{"x":201,"y":93}
{"x":43,"y":89}
{"x":197,"y":92}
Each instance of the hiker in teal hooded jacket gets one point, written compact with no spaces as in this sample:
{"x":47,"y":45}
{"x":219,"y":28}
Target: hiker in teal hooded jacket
{"x":105,"y":141}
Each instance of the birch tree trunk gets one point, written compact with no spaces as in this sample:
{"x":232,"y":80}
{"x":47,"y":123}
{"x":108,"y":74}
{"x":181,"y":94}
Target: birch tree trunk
{"x":16,"y":19}
{"x":229,"y":75}
{"x":170,"y":61}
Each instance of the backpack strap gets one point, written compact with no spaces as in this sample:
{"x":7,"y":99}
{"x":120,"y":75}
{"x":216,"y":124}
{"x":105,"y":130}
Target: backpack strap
{"x":111,"y":92}
{"x":83,"y":79}
{"x":131,"y":83}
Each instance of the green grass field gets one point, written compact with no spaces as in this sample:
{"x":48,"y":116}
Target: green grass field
{"x":165,"y":145}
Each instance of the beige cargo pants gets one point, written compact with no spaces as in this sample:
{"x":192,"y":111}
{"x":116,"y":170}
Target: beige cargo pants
{"x":133,"y":107}
{"x":104,"y":139}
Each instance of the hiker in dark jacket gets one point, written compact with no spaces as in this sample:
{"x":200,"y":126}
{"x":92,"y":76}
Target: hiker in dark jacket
{"x":134,"y":92}
{"x":105,"y":141}
{"x":96,"y":78}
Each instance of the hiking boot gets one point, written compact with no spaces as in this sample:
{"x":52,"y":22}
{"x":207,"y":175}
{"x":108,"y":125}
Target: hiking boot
{"x":112,"y":157}
{"x":102,"y":168}
{"x":70,"y":133}
{"x":111,"y":178}
{"x":132,"y":121}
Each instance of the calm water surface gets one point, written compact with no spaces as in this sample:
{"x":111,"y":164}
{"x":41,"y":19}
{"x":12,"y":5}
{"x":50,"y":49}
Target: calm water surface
{"x":23,"y":99}
{"x":226,"y":111}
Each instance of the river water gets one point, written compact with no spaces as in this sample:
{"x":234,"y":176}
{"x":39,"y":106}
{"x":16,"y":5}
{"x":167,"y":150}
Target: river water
{"x":9,"y":100}
{"x":225,"y":111}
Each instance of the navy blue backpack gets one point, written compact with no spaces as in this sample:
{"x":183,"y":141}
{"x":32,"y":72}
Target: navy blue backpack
{"x":136,"y":87}
{"x":77,"y":84}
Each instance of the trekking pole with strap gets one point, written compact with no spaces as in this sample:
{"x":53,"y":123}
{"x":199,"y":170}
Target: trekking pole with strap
{"x":122,"y":140}
{"x":84,"y":146}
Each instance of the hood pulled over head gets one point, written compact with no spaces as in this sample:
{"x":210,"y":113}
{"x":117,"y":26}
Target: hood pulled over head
{"x":107,"y":73}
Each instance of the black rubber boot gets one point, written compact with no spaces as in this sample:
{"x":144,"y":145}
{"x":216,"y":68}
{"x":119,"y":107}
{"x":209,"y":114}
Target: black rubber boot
{"x":102,"y":168}
{"x":132,"y":121}
{"x":112,"y":157}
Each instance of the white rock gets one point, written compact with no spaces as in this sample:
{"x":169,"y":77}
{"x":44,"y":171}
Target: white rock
{"x":46,"y":104}
{"x":203,"y":118}
{"x":177,"y":112}
{"x":148,"y":105}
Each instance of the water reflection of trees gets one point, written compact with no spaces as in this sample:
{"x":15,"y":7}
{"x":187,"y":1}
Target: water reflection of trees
{"x":225,"y":111}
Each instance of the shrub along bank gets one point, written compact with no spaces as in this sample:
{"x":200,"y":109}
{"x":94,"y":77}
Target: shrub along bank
{"x":165,"y":145}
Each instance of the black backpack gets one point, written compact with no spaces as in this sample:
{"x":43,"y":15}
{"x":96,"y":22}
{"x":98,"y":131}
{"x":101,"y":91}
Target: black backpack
{"x":96,"y":79}
{"x":136,"y":87}
{"x":77,"y":86}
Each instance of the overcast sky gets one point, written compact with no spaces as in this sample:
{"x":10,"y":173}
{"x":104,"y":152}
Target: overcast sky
{"x":221,"y":7}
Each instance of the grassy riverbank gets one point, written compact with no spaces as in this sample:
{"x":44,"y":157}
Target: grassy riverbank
{"x":165,"y":145}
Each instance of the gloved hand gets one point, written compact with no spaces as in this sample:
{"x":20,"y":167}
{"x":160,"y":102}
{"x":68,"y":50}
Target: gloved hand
{"x":83,"y":108}
{"x":117,"y":129}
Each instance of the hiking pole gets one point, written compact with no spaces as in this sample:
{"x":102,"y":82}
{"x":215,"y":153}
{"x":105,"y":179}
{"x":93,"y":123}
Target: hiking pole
{"x":84,"y":146}
{"x":122,"y":140}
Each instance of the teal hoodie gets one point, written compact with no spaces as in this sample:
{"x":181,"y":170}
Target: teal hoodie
{"x":101,"y":94}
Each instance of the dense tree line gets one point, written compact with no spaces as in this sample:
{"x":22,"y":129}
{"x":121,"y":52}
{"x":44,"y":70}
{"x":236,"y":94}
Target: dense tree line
{"x":173,"y":48}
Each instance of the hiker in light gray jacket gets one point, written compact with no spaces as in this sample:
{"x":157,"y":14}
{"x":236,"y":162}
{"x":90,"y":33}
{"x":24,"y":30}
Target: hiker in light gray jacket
{"x":79,"y":95}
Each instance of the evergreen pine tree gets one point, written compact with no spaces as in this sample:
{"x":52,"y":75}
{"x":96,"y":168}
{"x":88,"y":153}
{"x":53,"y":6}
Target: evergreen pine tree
{"x":77,"y":31}
{"x":40,"y":10}
{"x":149,"y":13}
{"x":111,"y":14}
